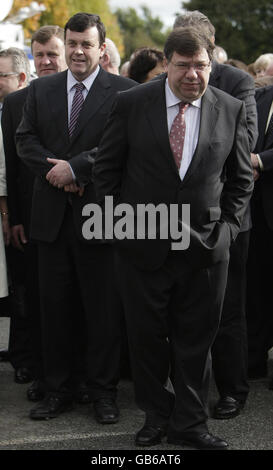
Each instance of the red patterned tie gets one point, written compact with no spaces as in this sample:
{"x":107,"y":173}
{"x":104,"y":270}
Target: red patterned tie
{"x":177,"y":134}
{"x":77,"y":104}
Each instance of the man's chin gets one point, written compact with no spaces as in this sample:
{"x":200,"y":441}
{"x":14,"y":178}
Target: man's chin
{"x":47,"y":72}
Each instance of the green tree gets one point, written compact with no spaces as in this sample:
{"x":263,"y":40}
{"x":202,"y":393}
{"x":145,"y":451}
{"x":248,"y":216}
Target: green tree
{"x":140,"y":31}
{"x":243,"y":27}
{"x":58,"y":12}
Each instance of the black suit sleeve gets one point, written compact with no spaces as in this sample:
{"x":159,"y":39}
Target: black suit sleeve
{"x":239,"y":178}
{"x":12,"y":165}
{"x":264,"y":97}
{"x":29,"y":146}
{"x":244,"y":90}
{"x":267,"y":159}
{"x":112,"y":153}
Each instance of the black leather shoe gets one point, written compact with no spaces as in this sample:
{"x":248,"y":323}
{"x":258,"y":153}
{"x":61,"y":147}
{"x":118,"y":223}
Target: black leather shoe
{"x":106,"y":411}
{"x":22,"y":375}
{"x":270,"y":385}
{"x":204,"y":441}
{"x":82,"y":394}
{"x":150,"y":435}
{"x":36,"y":392}
{"x":227,"y":407}
{"x":4,"y":355}
{"x":51,"y":407}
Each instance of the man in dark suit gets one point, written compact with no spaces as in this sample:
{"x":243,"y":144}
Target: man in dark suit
{"x":63,"y":121}
{"x":259,"y":285}
{"x":15,"y":75}
{"x":47,"y":46}
{"x":173,"y":299}
{"x":229,"y":352}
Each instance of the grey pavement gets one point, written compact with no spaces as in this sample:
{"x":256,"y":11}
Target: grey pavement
{"x":78,"y":430}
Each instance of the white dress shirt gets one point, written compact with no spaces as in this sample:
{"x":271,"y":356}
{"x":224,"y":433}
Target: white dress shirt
{"x":192,"y":120}
{"x":71,"y":81}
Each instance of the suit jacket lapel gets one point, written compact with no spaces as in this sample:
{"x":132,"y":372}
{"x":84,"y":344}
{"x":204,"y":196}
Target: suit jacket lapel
{"x":58,"y":103}
{"x":156,"y":113}
{"x":96,"y":97}
{"x":157,"y":116}
{"x":208,"y":119}
{"x":214,"y":75}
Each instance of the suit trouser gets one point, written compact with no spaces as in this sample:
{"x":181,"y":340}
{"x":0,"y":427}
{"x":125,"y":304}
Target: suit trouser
{"x":229,"y":351}
{"x":19,"y":339}
{"x":259,"y":311}
{"x":172,"y":316}
{"x":78,"y":310}
{"x":32,"y":300}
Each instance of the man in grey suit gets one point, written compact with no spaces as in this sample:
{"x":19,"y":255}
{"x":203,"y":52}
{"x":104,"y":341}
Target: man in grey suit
{"x":63,"y":121}
{"x":173,"y":299}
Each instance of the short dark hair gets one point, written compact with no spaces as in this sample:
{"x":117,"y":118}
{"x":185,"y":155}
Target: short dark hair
{"x":194,"y":18}
{"x":187,"y":41}
{"x":82,"y":21}
{"x":45,"y":33}
{"x":144,"y":60}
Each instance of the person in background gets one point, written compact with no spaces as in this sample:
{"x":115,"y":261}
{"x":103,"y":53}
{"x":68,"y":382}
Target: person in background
{"x":47,"y":45}
{"x":259,"y":280}
{"x":124,"y":69}
{"x":269,"y":70}
{"x":4,"y":227}
{"x":110,"y":60}
{"x":238,"y":64}
{"x":261,"y":82}
{"x":220,"y":55}
{"x":15,"y":75}
{"x":145,"y":64}
{"x":262,"y":64}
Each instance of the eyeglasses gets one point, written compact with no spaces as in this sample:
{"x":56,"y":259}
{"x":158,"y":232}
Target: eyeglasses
{"x":185,"y":66}
{"x":7,"y":74}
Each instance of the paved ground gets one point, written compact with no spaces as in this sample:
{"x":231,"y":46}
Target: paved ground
{"x":252,"y":430}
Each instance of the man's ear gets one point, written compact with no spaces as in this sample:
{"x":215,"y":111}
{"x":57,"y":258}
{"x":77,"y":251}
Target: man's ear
{"x":22,"y":79}
{"x":102,"y":50}
{"x":105,"y":60}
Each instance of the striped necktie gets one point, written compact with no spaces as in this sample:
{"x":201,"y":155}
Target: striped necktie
{"x":77,"y":105}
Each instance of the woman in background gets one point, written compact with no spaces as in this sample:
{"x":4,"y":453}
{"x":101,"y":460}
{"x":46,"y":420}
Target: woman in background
{"x":145,"y":64}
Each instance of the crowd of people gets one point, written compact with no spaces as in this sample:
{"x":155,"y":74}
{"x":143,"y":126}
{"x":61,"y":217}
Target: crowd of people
{"x":183,"y":126}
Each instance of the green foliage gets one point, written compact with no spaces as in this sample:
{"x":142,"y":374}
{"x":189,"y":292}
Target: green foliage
{"x":140,"y":31}
{"x":243,"y":27}
{"x":59,"y":11}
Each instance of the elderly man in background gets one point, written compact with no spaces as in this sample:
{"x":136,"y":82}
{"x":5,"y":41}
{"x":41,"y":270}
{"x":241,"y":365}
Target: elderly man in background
{"x":110,"y":60}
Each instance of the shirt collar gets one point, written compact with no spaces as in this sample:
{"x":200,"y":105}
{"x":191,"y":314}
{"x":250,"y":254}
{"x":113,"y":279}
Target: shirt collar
{"x":172,"y":100}
{"x":88,"y":82}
